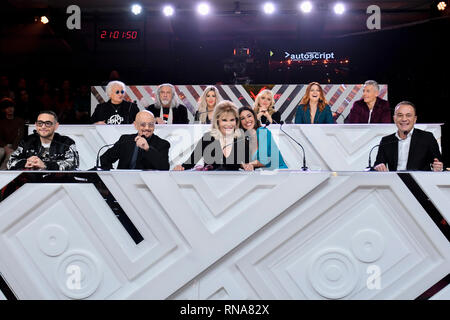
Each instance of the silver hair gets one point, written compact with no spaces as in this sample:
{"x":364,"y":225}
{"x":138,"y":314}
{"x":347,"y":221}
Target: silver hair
{"x":174,"y":103}
{"x":405,"y":103}
{"x":372,"y":83}
{"x":114,"y":83}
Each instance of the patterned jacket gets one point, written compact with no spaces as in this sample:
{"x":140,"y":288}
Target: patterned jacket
{"x":62,"y":154}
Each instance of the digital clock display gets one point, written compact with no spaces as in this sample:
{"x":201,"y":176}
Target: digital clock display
{"x":119,"y":34}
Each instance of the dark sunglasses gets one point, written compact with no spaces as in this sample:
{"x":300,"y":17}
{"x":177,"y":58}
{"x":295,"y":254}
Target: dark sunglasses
{"x":122,"y":92}
{"x":48,"y":124}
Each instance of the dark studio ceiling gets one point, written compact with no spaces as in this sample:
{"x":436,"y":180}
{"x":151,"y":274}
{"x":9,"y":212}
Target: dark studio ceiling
{"x":230,"y":20}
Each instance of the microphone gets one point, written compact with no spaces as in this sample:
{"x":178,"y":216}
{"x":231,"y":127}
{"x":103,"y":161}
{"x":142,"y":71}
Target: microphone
{"x":98,"y":166}
{"x":405,"y":132}
{"x":97,"y":162}
{"x":247,"y":138}
{"x":370,"y":153}
{"x":304,"y":167}
{"x":267,"y":123}
{"x":198,"y":114}
{"x":264,"y":120}
{"x":202,"y":112}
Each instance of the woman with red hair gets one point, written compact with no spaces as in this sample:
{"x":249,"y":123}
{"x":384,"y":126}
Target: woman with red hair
{"x":314,"y":107}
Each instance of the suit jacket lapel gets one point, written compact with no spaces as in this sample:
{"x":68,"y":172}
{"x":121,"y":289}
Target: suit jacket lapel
{"x":395,"y":155}
{"x":129,"y":147}
{"x":412,"y":146}
{"x":308,"y":115}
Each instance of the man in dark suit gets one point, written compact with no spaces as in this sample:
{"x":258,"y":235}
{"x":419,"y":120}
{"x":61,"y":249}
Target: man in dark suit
{"x":409,"y":148}
{"x":143,"y":150}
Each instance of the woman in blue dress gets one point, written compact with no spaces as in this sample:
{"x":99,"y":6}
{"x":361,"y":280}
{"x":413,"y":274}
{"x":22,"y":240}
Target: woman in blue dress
{"x":313,"y":107}
{"x":263,"y":149}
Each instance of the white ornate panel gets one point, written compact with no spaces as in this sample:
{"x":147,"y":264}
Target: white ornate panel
{"x":220,"y":235}
{"x":325,"y":244}
{"x":336,"y":147}
{"x":45,"y":236}
{"x":66,"y":224}
{"x":211,"y":234}
{"x":437,"y":188}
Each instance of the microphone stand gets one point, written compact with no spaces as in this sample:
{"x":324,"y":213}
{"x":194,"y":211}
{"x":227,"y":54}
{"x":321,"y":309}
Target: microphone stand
{"x":304,"y":167}
{"x":369,"y":167}
{"x":97,"y":162}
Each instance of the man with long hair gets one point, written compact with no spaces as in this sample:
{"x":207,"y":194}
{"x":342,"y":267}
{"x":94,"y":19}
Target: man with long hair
{"x":167,"y":107}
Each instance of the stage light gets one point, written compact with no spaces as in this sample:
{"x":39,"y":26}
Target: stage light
{"x":441,"y":5}
{"x":136,"y":9}
{"x":306,"y":6}
{"x":44,"y":20}
{"x":268,"y":8}
{"x":168,"y":11}
{"x":203,"y":9}
{"x":339,"y":8}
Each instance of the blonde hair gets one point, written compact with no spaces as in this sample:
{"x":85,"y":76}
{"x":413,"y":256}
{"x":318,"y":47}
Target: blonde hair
{"x":224,"y":107}
{"x":271,"y":109}
{"x":202,"y":105}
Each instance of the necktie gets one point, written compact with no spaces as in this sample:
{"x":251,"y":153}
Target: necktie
{"x":134,"y":157}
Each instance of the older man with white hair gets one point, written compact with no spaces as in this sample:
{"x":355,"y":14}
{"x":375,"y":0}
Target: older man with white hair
{"x":371,"y":108}
{"x":116,"y":110}
{"x":167,"y":107}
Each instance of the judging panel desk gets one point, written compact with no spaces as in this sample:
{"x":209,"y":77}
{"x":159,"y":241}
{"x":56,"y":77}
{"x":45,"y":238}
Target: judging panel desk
{"x":336,"y":147}
{"x":222,"y":235}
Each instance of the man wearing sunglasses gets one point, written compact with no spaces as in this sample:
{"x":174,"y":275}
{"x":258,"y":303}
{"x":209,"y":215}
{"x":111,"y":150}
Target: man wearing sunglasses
{"x":45,"y":149}
{"x":141,"y":150}
{"x":116,"y":110}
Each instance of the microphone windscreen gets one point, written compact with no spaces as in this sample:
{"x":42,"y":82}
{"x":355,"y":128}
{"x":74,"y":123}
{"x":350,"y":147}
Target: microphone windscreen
{"x":263,"y":119}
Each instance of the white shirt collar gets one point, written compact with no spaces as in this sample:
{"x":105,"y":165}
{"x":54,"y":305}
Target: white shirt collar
{"x":407,"y":136}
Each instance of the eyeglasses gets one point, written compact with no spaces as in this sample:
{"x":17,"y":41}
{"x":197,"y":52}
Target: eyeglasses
{"x":120,"y":91}
{"x":48,"y":124}
{"x":145,"y":124}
